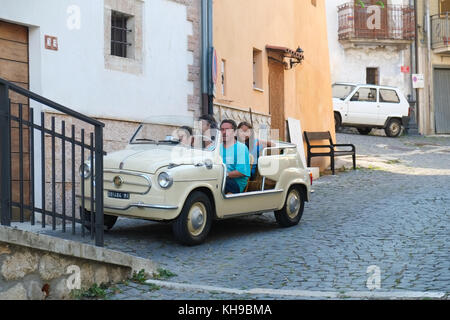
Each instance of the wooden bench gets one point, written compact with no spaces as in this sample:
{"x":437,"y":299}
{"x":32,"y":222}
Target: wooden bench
{"x":332,"y":153}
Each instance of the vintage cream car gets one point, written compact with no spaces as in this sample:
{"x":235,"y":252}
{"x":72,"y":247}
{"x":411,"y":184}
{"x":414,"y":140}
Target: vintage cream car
{"x":160,"y":178}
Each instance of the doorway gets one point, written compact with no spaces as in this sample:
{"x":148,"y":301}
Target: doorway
{"x":276,"y":97}
{"x":14,"y":67}
{"x":441,"y":99}
{"x":372,"y":76}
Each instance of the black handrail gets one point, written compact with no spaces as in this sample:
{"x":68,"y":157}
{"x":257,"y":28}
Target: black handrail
{"x":50,"y":103}
{"x":95,"y":147}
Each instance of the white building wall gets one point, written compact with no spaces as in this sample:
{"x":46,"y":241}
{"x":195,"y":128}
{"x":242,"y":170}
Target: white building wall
{"x":75,"y":75}
{"x":349,"y":65}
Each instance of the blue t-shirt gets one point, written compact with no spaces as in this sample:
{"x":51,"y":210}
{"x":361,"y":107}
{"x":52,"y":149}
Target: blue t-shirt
{"x":237,"y":158}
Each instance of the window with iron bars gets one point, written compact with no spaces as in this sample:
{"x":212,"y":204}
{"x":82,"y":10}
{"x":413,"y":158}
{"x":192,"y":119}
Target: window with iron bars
{"x":119,"y":34}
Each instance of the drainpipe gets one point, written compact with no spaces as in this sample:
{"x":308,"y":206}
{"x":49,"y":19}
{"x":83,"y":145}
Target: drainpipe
{"x":207,"y":47}
{"x":430,"y":118}
{"x":414,"y":98}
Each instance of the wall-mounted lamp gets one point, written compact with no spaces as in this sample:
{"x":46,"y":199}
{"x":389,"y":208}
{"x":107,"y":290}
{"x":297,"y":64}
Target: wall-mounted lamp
{"x":299,"y":57}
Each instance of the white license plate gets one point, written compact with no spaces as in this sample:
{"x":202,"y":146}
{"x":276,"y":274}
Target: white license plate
{"x":119,"y":195}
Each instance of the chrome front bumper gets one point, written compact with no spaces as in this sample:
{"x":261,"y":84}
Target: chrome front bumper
{"x":139,"y":205}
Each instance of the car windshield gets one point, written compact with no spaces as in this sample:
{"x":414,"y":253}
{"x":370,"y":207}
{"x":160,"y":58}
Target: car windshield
{"x":175,"y":131}
{"x":341,"y":91}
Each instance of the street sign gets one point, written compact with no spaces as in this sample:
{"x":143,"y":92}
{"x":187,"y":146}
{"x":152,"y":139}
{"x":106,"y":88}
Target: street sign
{"x":51,"y":43}
{"x":405,"y":69}
{"x":418,"y":81}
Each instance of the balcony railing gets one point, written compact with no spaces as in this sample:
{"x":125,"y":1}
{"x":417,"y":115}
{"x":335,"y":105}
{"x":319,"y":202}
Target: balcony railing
{"x":440,"y":32}
{"x":385,"y":23}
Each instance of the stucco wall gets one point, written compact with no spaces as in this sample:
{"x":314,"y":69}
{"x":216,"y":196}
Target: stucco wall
{"x":241,"y":26}
{"x":349,"y":65}
{"x":313,"y":104}
{"x":76,"y":76}
{"x":426,"y":109}
{"x":80,"y":75}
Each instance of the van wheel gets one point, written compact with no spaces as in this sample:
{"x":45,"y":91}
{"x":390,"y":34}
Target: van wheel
{"x":337,"y":122}
{"x":194,"y":222}
{"x":108,"y":221}
{"x":364,"y":131}
{"x":394,"y":128}
{"x":292,"y":211}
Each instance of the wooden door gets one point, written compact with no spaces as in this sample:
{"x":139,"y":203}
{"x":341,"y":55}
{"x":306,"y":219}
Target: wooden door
{"x":14,"y":68}
{"x":276,"y":98}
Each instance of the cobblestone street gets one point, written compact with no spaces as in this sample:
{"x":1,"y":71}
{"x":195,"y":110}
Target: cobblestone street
{"x":393,"y":213}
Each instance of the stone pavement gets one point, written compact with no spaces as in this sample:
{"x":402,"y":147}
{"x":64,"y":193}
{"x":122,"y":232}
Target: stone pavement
{"x":392,"y":215}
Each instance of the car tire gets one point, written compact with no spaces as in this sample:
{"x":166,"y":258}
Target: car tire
{"x":292,"y":211}
{"x":337,"y":122}
{"x":393,"y":128}
{"x":194,"y":222}
{"x":108,"y":221}
{"x":364,"y":131}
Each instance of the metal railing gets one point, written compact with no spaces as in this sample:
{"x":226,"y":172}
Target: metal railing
{"x":376,"y":22}
{"x":46,"y":183}
{"x":440,"y":30}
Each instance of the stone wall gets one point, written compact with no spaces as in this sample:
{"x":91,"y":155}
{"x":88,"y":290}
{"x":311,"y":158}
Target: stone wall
{"x":259,"y":120}
{"x":32,"y":274}
{"x":37,"y":267}
{"x":193,"y":15}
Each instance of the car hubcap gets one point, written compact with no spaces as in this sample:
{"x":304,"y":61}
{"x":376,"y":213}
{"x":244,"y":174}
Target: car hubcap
{"x":293,"y":204}
{"x":395,"y":128}
{"x":197,"y":218}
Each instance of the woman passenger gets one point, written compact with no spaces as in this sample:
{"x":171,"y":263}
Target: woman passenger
{"x":246,"y":135}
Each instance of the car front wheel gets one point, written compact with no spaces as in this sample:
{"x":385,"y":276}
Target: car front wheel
{"x":394,"y":128}
{"x":108,"y":221}
{"x":292,"y":211}
{"x":194,"y":222}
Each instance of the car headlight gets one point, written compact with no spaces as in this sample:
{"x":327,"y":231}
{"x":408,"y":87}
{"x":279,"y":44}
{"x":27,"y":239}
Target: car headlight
{"x":85,"y":170}
{"x":165,"y":180}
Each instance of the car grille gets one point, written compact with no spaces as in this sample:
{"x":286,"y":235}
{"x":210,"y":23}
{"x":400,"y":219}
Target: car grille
{"x":135,"y":183}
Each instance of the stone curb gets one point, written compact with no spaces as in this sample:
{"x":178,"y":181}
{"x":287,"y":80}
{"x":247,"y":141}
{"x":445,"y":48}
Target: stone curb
{"x":390,"y":295}
{"x":74,"y":249}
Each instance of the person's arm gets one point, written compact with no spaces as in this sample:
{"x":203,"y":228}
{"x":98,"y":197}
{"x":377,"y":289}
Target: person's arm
{"x":235,"y":174}
{"x":265,"y":144}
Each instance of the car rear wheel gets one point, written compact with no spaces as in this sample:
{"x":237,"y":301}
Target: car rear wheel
{"x":337,"y":122}
{"x":194,"y":222}
{"x":364,"y":131}
{"x":108,"y":221}
{"x":394,"y":128}
{"x":292,"y":211}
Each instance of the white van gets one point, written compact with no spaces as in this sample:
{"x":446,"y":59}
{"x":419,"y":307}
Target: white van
{"x":369,"y":106}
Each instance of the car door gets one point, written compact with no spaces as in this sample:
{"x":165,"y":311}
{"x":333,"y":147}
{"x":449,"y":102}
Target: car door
{"x":362,"y":107}
{"x":388,"y":105}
